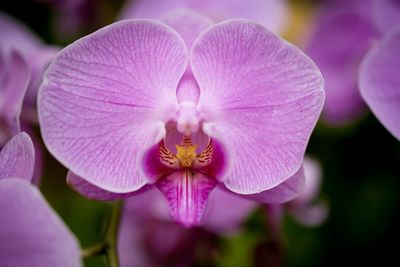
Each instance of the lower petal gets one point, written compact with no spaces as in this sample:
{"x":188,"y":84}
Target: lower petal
{"x":284,"y":192}
{"x":186,"y":193}
{"x":91,"y":191}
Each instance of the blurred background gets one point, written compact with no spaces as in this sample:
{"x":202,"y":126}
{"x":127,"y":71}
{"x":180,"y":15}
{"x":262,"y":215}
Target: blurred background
{"x":360,"y":163}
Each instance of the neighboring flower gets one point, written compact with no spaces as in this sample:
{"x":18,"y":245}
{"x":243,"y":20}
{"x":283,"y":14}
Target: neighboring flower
{"x":304,"y":208}
{"x":380,"y":81}
{"x":343,"y":33}
{"x":134,"y":106}
{"x":14,"y":80}
{"x":23,"y":58}
{"x":16,"y":37}
{"x":272,"y":14}
{"x":148,"y":237}
{"x":31,"y":233}
{"x":72,"y":18}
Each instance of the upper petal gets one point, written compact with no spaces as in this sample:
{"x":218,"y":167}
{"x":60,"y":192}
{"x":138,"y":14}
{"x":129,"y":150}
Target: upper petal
{"x":271,"y":13}
{"x":261,"y":97}
{"x":31,"y":233}
{"x":105,"y":99}
{"x":17,"y":158}
{"x":380,"y":81}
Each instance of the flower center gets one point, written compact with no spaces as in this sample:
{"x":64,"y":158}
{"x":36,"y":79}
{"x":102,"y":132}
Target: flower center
{"x":186,"y":152}
{"x":186,"y":156}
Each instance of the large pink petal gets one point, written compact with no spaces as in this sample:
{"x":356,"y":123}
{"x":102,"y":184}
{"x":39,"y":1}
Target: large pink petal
{"x":271,"y":13}
{"x":380,"y":81}
{"x":186,"y":193}
{"x":226,"y":211}
{"x":17,"y":158}
{"x":105,"y":100}
{"x":31,"y":233}
{"x":261,"y":97}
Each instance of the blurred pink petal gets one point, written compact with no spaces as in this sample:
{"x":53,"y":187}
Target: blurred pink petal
{"x":380,"y":81}
{"x":343,"y":33}
{"x":31,"y":233}
{"x":14,"y":80}
{"x":17,"y":158}
{"x":273,"y":14}
{"x":226,"y":211}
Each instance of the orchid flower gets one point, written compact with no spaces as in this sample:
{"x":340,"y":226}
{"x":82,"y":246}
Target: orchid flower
{"x":14,"y":79}
{"x":272,"y":14}
{"x":23,"y":58}
{"x":140,"y":104}
{"x":304,"y":208}
{"x":147,"y":233}
{"x":343,"y":33}
{"x":379,"y":83}
{"x":16,"y":37}
{"x":31,"y":233}
{"x":358,"y":25}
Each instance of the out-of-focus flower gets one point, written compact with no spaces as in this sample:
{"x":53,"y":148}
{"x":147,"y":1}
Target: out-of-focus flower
{"x":304,"y":208}
{"x":380,"y":81}
{"x":72,"y":18}
{"x":23,"y":58}
{"x":134,"y":104}
{"x":31,"y":233}
{"x":14,"y":80}
{"x":343,"y":33}
{"x":273,"y":14}
{"x":147,"y":234}
{"x":15,"y":36}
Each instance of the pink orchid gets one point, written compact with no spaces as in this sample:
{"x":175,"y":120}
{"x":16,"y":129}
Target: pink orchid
{"x":140,"y":104}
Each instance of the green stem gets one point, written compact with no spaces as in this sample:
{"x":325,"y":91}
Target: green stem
{"x":111,"y":235}
{"x":95,"y":250}
{"x":109,"y":244}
